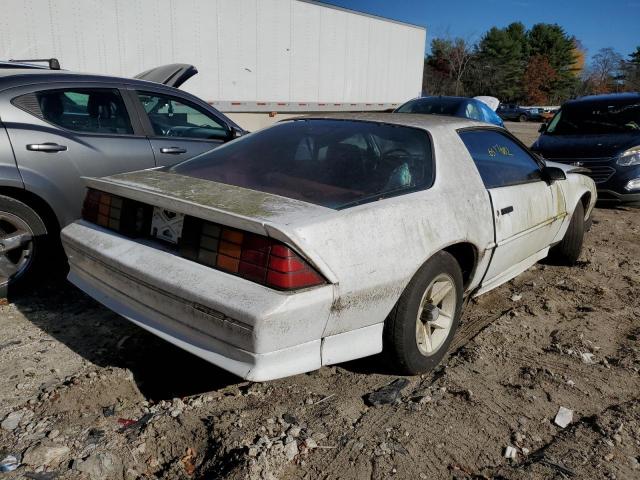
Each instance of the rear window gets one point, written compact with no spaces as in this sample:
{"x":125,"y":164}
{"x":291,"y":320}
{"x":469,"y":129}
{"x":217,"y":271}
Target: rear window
{"x":434,"y":106}
{"x":597,"y":118}
{"x":333,"y":163}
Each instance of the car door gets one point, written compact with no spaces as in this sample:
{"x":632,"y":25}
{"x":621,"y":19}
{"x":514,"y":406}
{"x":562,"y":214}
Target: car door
{"x":63,"y":132}
{"x":527,"y":210}
{"x":179,"y":128}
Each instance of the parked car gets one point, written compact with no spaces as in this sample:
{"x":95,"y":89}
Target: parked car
{"x":517,"y":113}
{"x":547,"y":114}
{"x":58,"y":126}
{"x":323,"y":239}
{"x":454,"y":106}
{"x":602,"y":134}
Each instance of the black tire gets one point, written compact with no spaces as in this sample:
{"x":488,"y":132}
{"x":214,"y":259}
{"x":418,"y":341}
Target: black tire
{"x":569,"y":249}
{"x":400,"y":330}
{"x":16,"y":216}
{"x":522,"y":118}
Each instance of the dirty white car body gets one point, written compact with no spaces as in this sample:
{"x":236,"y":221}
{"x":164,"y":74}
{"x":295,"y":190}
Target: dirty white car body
{"x":366,"y":253}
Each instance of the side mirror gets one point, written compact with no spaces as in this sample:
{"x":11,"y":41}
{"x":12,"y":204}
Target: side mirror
{"x":235,"y":133}
{"x":543,"y":128}
{"x":553,"y":174}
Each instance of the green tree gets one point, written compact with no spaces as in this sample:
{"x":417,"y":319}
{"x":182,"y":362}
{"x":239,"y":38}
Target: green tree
{"x":551,"y":41}
{"x":502,"y":58}
{"x":631,"y":71}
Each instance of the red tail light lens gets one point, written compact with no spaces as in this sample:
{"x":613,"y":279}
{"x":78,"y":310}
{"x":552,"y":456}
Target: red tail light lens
{"x":288,"y":271}
{"x":254,"y":257}
{"x":90,"y":205}
{"x":102,"y":208}
{"x":116,"y":213}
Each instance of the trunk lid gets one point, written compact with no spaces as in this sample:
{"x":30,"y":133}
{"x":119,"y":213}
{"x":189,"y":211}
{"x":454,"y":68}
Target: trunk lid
{"x":237,"y":207}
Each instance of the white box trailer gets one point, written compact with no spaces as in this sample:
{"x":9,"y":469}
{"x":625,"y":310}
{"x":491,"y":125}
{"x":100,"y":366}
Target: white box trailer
{"x":252,"y":55}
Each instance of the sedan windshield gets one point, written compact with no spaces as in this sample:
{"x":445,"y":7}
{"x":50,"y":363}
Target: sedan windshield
{"x":333,"y":163}
{"x":596,"y":118}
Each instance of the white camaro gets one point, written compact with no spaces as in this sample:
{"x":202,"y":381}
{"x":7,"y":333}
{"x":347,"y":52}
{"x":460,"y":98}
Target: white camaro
{"x":321,"y":240}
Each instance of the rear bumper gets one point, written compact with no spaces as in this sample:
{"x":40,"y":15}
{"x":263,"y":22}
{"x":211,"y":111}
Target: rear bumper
{"x":252,"y":331}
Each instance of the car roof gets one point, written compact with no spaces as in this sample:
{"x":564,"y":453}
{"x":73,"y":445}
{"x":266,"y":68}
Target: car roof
{"x":416,"y":120}
{"x":14,"y":77}
{"x":607,"y":97}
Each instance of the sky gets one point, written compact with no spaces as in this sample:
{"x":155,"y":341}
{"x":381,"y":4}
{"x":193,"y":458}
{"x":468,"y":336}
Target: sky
{"x":596,"y":23}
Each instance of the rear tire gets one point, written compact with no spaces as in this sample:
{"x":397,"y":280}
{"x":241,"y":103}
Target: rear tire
{"x":23,"y":245}
{"x":569,"y":249}
{"x":522,"y":118}
{"x":419,"y":329}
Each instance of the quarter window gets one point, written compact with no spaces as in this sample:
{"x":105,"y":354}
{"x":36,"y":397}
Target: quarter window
{"x":86,"y":110}
{"x":500,"y":160}
{"x":172,"y":117}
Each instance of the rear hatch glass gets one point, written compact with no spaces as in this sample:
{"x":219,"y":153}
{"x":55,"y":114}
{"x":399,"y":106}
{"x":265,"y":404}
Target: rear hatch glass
{"x":333,"y":163}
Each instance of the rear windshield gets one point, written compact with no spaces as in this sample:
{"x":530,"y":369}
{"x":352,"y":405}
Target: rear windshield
{"x":435,"y":106}
{"x":596,"y":118}
{"x":333,"y":163}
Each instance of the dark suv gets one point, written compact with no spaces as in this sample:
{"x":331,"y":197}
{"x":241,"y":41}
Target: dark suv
{"x":602,"y":134}
{"x":58,"y":126}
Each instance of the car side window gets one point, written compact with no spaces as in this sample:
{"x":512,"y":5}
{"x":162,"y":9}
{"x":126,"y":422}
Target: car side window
{"x":99,"y":110}
{"x":500,"y":160}
{"x":173,"y":117}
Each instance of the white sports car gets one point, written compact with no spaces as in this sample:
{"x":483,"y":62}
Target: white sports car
{"x":324,"y":239}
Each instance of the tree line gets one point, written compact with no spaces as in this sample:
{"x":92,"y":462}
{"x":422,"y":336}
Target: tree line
{"x":540,"y":66}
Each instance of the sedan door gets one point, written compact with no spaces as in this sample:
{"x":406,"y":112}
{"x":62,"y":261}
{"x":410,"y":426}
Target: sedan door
{"x":527,"y":210}
{"x":179,"y":128}
{"x":60,"y":134}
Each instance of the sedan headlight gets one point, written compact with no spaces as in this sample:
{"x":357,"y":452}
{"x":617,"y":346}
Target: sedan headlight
{"x":630,"y":157}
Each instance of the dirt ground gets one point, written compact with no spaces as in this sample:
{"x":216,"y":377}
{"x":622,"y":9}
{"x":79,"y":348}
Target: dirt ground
{"x":85,"y":394}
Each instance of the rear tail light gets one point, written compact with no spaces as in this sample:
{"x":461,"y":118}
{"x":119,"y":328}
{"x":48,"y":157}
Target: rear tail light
{"x":253,"y":257}
{"x":247,"y":255}
{"x":116,"y":213}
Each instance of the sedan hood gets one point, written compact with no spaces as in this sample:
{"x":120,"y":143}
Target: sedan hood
{"x":584,"y":146}
{"x":172,"y":75}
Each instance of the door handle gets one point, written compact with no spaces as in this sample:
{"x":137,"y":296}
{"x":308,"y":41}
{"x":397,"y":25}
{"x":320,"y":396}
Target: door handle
{"x":46,"y":147}
{"x":506,"y":210}
{"x":173,"y":150}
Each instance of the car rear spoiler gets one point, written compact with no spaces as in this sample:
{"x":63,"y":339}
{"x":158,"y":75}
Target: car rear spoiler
{"x":249,"y":210}
{"x":172,"y":75}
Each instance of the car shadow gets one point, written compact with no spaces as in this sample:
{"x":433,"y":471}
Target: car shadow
{"x":161,"y":371}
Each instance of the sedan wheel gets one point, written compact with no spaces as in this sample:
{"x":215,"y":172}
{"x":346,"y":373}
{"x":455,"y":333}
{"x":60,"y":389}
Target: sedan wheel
{"x":436,"y":313}
{"x":419,"y":329}
{"x":16,"y":247}
{"x":23,"y":244}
